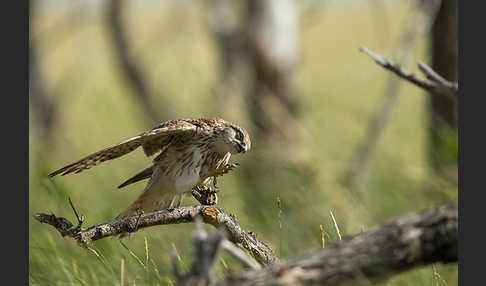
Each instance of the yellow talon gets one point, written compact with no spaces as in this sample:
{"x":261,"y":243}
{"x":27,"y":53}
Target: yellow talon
{"x":213,"y":198}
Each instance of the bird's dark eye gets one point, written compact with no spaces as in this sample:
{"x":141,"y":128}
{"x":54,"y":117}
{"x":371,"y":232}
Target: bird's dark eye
{"x":238,"y":134}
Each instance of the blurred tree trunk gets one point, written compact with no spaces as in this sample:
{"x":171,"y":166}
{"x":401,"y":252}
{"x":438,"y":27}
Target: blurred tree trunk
{"x":258,"y":45}
{"x":226,"y":22}
{"x":443,"y":109}
{"x":130,"y":66}
{"x":41,"y":99}
{"x":273,"y":42}
{"x":43,"y":106}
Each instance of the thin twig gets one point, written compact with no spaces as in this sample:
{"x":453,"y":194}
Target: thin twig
{"x":434,"y":84}
{"x":80,"y":219}
{"x":434,"y":76}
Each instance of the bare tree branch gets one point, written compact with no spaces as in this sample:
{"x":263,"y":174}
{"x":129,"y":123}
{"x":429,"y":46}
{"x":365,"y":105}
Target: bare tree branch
{"x":434,"y":83}
{"x":412,"y":241}
{"x":210,"y":215}
{"x":434,"y":76}
{"x":374,"y":256}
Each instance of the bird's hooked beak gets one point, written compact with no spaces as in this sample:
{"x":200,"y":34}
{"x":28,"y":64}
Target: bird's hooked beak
{"x":241,"y":148}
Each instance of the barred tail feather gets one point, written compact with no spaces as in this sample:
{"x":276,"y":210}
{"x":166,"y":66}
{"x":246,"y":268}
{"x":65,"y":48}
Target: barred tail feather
{"x":145,"y":174}
{"x":146,"y":203}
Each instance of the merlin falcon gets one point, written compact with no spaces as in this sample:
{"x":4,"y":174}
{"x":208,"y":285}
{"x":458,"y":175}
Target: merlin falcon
{"x":191,"y":153}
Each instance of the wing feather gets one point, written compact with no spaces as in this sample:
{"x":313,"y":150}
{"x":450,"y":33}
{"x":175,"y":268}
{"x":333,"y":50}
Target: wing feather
{"x":157,"y":138}
{"x":94,"y":159}
{"x":145,"y":174}
{"x":151,"y":141}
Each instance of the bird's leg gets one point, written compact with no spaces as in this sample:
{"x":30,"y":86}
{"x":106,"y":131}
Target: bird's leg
{"x":227,"y":168}
{"x":210,"y":196}
{"x":213,"y":198}
{"x":215,"y":182}
{"x":135,"y":228}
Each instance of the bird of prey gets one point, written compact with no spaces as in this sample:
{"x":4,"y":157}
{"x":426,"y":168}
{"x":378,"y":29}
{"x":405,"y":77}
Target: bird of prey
{"x":192,"y":152}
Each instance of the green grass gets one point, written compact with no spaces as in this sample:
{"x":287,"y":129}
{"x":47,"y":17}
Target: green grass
{"x":340,"y":89}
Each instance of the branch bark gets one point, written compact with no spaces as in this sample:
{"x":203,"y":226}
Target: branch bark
{"x":402,"y":244}
{"x":209,"y":214}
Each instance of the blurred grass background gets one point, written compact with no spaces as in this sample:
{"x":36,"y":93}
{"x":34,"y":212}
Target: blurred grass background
{"x":339,"y":88}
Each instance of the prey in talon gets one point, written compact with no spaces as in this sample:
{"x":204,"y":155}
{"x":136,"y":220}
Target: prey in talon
{"x":189,"y":153}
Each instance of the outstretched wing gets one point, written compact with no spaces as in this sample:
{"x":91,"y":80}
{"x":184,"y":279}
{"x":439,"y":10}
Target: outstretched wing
{"x":151,"y":141}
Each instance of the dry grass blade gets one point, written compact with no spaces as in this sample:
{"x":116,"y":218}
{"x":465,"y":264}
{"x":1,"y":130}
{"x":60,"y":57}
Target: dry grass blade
{"x":146,"y":251}
{"x":176,"y":253}
{"x":323,"y":241}
{"x":156,"y":270}
{"x":437,"y":277}
{"x":335,"y":225}
{"x":92,"y":250}
{"x":122,"y":272}
{"x":224,"y":263}
{"x":280,"y":225}
{"x":133,"y":254}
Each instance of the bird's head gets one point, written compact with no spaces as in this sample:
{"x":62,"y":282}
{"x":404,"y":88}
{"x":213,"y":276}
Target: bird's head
{"x":232,"y":138}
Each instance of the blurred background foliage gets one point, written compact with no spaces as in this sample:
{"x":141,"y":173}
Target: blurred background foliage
{"x":286,"y":185}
